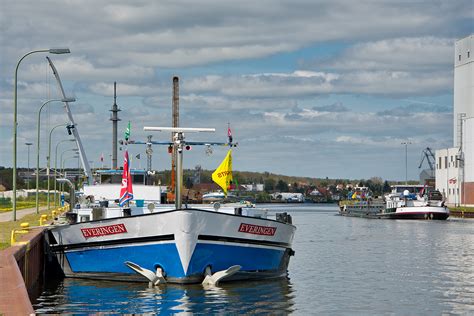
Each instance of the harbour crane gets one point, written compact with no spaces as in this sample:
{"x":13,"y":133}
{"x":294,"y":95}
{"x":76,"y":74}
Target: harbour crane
{"x":72,"y":127}
{"x":427,"y":154}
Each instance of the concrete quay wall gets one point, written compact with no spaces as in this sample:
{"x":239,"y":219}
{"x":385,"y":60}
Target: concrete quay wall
{"x":21,"y":270}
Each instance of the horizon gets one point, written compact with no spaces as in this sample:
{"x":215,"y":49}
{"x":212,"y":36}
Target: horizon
{"x":246,"y":171}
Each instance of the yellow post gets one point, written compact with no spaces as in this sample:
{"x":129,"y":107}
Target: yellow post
{"x":25,"y":230}
{"x":43,"y":219}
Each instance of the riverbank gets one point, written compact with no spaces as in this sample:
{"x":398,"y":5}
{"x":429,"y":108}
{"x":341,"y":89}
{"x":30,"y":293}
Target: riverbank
{"x":23,"y":216}
{"x":22,"y":259}
{"x":462,"y":212}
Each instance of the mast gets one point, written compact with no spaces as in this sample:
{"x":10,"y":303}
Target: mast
{"x":72,"y":127}
{"x":114,"y":118}
{"x":178,"y":147}
{"x":175,"y":124}
{"x":149,"y":153}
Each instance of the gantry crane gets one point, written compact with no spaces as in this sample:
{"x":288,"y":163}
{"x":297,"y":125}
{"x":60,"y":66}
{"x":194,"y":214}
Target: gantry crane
{"x":427,"y":154}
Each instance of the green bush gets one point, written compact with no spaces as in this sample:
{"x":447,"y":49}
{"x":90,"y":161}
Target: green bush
{"x":5,"y":202}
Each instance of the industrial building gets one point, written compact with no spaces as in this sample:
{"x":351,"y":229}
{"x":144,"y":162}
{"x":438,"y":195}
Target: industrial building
{"x":455,"y":166}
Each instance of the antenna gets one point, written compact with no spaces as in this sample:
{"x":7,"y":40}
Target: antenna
{"x":114,"y":118}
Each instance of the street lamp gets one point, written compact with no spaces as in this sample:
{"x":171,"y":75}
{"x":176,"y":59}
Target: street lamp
{"x":75,"y":150}
{"x":28,"y":144}
{"x":48,"y":159}
{"x":71,"y":192}
{"x":52,"y":51}
{"x":63,"y":161}
{"x":38,"y":146}
{"x":406,"y":160}
{"x":56,"y":166}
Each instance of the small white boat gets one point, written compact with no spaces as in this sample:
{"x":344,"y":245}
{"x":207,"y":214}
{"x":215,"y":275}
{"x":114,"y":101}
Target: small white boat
{"x":217,"y":196}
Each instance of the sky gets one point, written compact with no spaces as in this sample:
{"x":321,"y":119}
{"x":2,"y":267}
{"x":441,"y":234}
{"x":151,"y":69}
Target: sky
{"x":309,"y":88}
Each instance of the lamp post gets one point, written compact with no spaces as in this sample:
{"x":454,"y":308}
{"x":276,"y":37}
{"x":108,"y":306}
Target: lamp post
{"x":65,"y":151}
{"x":48,"y":159}
{"x":56,"y":166}
{"x":406,"y":160}
{"x":28,"y":144}
{"x":38,"y":146}
{"x":72,"y":192}
{"x":63,"y":161}
{"x":75,"y":150}
{"x":52,"y":51}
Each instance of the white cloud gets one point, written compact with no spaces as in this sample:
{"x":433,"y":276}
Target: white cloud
{"x":397,"y":54}
{"x":295,"y":84}
{"x":124,"y":89}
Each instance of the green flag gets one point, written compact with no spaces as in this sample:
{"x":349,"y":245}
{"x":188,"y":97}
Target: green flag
{"x":127,"y":132}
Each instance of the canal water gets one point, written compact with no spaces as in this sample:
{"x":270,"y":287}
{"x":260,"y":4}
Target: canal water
{"x":342,"y":266}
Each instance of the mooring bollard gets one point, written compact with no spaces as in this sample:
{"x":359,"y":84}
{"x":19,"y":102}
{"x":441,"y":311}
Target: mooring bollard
{"x":43,"y":219}
{"x":25,"y":229}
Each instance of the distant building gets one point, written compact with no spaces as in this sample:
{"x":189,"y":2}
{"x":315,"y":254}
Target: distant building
{"x":22,"y":193}
{"x":427,"y":177}
{"x":206,"y":187}
{"x":455,"y":166}
{"x":447,"y":175}
{"x":255,"y":187}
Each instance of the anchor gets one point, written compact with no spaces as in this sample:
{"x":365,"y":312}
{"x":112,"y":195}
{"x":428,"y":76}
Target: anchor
{"x":154,"y":278}
{"x":214,"y":279}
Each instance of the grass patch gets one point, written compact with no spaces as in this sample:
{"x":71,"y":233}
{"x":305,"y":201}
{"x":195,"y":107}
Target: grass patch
{"x":25,"y":202}
{"x":21,"y":205}
{"x":7,"y":227}
{"x":461,"y":208}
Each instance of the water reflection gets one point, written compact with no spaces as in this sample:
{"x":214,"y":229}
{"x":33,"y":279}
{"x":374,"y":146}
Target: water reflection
{"x":87,"y":296}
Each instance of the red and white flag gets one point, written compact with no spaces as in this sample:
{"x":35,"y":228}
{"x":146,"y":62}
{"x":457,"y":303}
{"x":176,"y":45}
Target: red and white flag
{"x":126,"y":191}
{"x":229,"y":134}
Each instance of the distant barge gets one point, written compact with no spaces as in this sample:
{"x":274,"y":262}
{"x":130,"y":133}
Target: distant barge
{"x":405,"y":202}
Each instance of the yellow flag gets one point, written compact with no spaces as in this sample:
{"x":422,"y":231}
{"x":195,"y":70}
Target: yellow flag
{"x":223,"y":174}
